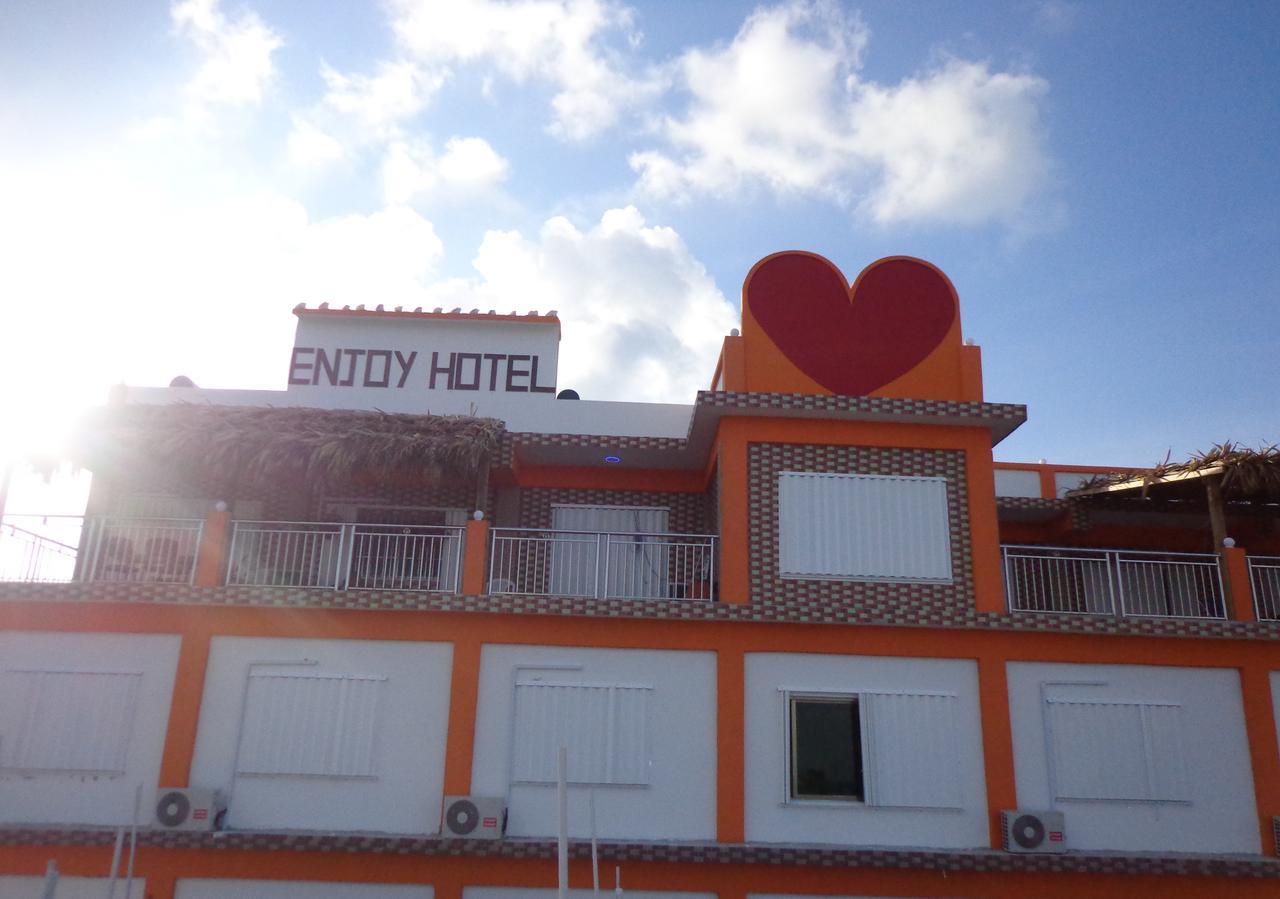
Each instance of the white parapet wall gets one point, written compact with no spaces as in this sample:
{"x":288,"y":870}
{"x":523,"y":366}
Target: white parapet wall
{"x":82,"y":725}
{"x":640,"y":727}
{"x":71,"y":888}
{"x":325,"y":734}
{"x":1137,"y":758}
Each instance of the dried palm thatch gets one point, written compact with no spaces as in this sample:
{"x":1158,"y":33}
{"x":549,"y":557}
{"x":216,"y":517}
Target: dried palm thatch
{"x":244,"y":445}
{"x":1245,"y":473}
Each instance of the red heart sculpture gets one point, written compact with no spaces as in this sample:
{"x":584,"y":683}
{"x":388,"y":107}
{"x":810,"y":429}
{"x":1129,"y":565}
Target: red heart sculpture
{"x":851,"y":340}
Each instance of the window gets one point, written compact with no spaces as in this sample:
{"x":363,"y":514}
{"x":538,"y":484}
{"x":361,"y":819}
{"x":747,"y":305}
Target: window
{"x":604,"y":727}
{"x":879,"y":748}
{"x":309,"y":725}
{"x":1116,"y":749}
{"x":826,"y":748}
{"x":863,"y":527}
{"x":75,"y":722}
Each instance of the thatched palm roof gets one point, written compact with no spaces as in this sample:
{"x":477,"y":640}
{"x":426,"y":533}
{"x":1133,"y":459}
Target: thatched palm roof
{"x":233,"y":445}
{"x":1244,"y":473}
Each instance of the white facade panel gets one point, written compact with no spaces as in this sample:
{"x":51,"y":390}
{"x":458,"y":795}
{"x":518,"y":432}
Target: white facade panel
{"x":606,"y":889}
{"x":863,"y":527}
{"x":325,"y":734}
{"x":1138,"y":758}
{"x":1066,"y":481}
{"x":1017,"y":482}
{"x":294,"y":889}
{"x":657,"y":731}
{"x":922,"y":748}
{"x":70,"y":888}
{"x":82,"y":724}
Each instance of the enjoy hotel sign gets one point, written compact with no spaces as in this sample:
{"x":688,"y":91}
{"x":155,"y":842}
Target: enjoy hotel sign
{"x":412,"y":361}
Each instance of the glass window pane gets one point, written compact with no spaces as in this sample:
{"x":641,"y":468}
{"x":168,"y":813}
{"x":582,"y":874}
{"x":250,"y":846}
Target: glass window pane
{"x":826,"y":749}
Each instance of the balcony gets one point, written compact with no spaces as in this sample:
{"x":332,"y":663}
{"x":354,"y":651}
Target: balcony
{"x":602,"y":565}
{"x":1264,"y":578}
{"x":1117,"y":582}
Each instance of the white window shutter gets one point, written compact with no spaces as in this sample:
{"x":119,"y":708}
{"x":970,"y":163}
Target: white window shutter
{"x":1118,"y":750}
{"x":310,"y":725}
{"x":76,"y":722}
{"x":864,"y":527}
{"x":910,"y":759}
{"x":603,"y":727}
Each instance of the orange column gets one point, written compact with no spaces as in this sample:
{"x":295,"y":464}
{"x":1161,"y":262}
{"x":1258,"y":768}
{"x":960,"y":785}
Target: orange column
{"x":730,"y":746}
{"x":735,"y":583}
{"x":1264,"y":751}
{"x":997,"y":741}
{"x":984,"y":528}
{"x":475,"y":552}
{"x":184,"y":710}
{"x":212,"y":558}
{"x":1048,"y":483}
{"x":464,"y":692}
{"x":1235,"y":583}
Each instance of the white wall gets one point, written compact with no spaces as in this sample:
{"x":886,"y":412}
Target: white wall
{"x":1017,"y":482}
{"x":1275,"y":701}
{"x":606,"y":889}
{"x":69,"y":888}
{"x":1219,"y":815}
{"x":679,"y":801}
{"x":289,"y":889}
{"x":64,"y":798}
{"x":1066,"y":481}
{"x":409,"y":745}
{"x":770,"y":817}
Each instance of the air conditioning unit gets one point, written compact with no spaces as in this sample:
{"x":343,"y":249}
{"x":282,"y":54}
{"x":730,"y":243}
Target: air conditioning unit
{"x":182,"y":808}
{"x":474,"y":817}
{"x":1026,"y":831}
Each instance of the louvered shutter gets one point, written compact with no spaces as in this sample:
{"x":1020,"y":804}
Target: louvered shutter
{"x":1115,"y":750}
{"x":867,"y":527}
{"x":310,"y":725}
{"x":67,"y":721}
{"x":910,"y":754}
{"x":603,"y":727}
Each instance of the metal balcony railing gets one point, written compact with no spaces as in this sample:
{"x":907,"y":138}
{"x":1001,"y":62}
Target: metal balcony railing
{"x":140,"y":550}
{"x":345,"y":556}
{"x":1264,"y":578}
{"x":1121,"y":582}
{"x":39,"y":548}
{"x":599,"y":564}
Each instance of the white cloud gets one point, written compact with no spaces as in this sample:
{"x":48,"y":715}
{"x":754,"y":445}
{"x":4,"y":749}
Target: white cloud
{"x":783,"y":107}
{"x":562,"y":42}
{"x":309,"y":147}
{"x":641,"y":318}
{"x":380,"y":102}
{"x":468,"y":165}
{"x":235,"y":67}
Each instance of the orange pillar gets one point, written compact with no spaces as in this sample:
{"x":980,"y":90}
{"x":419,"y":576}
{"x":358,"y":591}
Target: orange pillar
{"x":1235,"y":583}
{"x":184,"y":710}
{"x":212,"y":558}
{"x":475,"y":551}
{"x":984,"y":529}
{"x":1264,"y":751}
{"x":1048,"y":483}
{"x":464,"y":693}
{"x":730,"y":746}
{"x":997,"y":741}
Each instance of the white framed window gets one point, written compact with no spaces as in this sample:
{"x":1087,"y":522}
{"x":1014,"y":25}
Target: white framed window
{"x":887,"y":749}
{"x":67,"y":721}
{"x":1104,"y":748}
{"x":863,"y":527}
{"x":309,"y":725}
{"x":603,"y":727}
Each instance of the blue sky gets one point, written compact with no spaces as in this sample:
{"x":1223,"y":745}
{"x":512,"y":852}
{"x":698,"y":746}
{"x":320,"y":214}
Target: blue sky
{"x":1099,"y":180}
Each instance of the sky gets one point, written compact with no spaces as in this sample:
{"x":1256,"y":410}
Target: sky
{"x":1099,"y":180}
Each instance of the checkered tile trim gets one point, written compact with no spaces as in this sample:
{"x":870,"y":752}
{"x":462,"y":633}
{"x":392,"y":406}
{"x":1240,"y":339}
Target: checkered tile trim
{"x":870,"y":405}
{"x":764,"y":463}
{"x":1079,"y":514}
{"x":684,"y":852}
{"x":867,"y":611}
{"x":688,"y":510}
